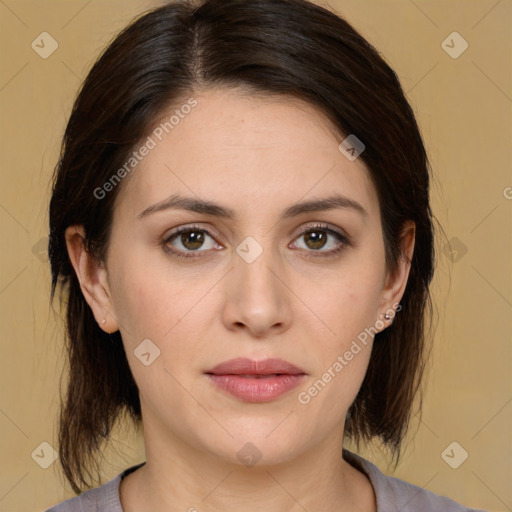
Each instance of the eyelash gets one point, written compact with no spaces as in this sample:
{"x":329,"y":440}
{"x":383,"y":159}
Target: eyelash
{"x":344,"y":241}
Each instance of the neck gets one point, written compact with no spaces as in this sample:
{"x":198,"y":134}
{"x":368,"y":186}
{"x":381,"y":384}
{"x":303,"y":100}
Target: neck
{"x":178,"y":477}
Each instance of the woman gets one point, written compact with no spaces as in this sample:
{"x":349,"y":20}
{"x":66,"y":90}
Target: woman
{"x":240,"y":221}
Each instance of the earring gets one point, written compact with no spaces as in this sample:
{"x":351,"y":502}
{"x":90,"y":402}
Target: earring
{"x":387,"y":317}
{"x":104,"y":321}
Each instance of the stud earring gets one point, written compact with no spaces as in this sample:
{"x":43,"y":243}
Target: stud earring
{"x":104,"y":321}
{"x":387,"y":317}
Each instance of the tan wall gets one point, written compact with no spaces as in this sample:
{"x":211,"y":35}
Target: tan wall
{"x":464,"y":109}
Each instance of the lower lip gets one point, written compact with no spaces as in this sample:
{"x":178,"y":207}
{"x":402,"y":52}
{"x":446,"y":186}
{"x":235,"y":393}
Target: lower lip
{"x":254,"y":389}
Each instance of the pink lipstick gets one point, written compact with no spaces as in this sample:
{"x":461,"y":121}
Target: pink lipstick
{"x":256,"y":381}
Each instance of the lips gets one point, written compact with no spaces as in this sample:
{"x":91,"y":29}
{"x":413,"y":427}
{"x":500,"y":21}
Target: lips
{"x":256,"y":381}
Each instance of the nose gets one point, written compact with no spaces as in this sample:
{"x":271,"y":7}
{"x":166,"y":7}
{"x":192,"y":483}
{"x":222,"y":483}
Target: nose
{"x":258,"y":296}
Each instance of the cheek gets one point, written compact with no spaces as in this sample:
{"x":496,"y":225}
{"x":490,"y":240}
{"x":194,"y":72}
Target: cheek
{"x":150,"y":302}
{"x":158,"y":335}
{"x":341,"y":361}
{"x":173,"y":311}
{"x":348,"y":306}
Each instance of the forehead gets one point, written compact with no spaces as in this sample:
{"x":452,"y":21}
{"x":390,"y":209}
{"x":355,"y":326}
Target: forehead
{"x":243,"y":150}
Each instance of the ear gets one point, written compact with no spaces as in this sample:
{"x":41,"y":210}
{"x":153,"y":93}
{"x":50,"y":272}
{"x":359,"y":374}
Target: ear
{"x":395,"y":284}
{"x":92,"y":276}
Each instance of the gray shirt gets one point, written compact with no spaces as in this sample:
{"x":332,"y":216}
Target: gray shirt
{"x":393,"y":495}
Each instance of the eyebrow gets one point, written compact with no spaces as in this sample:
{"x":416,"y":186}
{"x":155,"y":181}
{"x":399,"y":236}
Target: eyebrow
{"x":191,"y":204}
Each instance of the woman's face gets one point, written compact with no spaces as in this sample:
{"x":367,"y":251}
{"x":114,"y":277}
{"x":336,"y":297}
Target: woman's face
{"x":254,"y":285}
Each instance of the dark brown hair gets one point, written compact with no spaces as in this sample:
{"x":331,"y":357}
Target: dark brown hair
{"x":284,"y":47}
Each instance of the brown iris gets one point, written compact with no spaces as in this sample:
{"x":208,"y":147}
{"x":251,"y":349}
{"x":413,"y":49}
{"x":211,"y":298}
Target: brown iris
{"x":317,"y":238}
{"x":192,"y":239}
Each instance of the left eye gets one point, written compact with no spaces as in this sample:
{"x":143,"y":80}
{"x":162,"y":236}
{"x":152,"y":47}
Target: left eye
{"x":185,"y":241}
{"x":316,"y":238}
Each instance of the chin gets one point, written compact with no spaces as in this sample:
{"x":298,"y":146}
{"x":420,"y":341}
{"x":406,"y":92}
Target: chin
{"x":252,"y":445}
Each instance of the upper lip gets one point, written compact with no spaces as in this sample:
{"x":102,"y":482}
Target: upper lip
{"x":245,"y":366}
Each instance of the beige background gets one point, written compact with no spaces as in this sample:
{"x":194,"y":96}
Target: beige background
{"x":464,"y":109}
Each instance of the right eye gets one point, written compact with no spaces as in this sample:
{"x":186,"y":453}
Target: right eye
{"x":186,"y":240}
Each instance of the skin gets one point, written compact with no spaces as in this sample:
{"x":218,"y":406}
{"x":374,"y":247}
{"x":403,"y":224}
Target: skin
{"x":256,"y":156}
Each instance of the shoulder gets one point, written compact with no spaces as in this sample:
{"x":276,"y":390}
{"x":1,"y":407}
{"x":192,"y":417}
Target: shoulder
{"x":92,"y":500}
{"x":99,"y":499}
{"x":105,"y":497}
{"x":395,"y":495}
